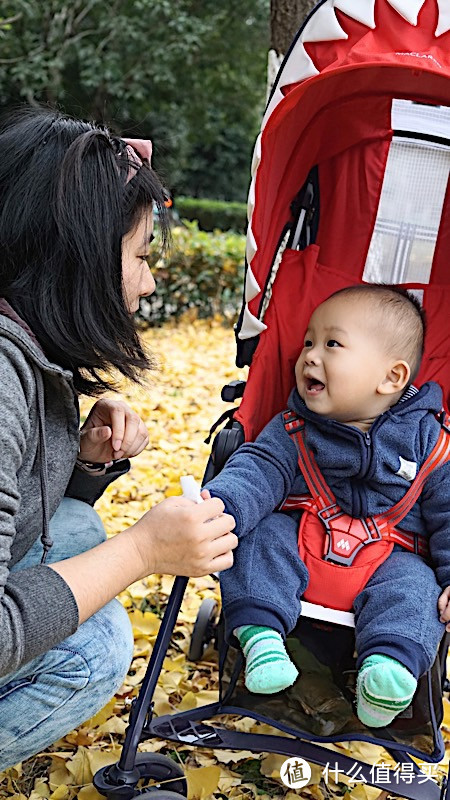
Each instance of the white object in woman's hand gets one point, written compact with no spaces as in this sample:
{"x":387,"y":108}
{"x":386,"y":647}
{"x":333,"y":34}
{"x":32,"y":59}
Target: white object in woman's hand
{"x":180,"y":537}
{"x":190,"y":488}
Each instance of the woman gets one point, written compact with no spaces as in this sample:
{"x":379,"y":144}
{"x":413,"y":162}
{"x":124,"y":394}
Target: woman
{"x":75,"y":230}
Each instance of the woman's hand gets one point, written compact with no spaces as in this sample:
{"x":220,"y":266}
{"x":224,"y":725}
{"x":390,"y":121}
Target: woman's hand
{"x":444,"y":608}
{"x":111,"y":431}
{"x":176,"y":537}
{"x":179,"y":537}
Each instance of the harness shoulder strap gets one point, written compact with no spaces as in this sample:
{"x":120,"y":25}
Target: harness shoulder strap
{"x":439,"y":456}
{"x":316,"y":483}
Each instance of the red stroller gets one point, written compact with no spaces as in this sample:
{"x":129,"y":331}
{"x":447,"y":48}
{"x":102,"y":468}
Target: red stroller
{"x":350,"y":184}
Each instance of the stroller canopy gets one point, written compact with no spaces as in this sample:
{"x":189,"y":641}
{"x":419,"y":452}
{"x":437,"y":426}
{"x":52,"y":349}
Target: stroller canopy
{"x":354,"y":155}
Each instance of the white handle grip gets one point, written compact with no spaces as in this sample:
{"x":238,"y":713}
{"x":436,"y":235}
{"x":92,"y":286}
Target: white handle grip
{"x":191,"y":489}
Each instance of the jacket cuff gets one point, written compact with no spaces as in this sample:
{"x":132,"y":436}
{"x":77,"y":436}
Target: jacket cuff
{"x":88,"y":487}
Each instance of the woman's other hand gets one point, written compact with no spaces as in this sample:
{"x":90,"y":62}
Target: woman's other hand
{"x":444,"y":608}
{"x":112,"y":431}
{"x":179,"y":537}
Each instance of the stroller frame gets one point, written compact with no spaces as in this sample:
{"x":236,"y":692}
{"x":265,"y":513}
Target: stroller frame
{"x":118,"y":781}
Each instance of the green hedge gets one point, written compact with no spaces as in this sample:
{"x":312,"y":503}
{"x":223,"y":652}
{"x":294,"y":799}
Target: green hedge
{"x":213,"y":214}
{"x":202,"y":271}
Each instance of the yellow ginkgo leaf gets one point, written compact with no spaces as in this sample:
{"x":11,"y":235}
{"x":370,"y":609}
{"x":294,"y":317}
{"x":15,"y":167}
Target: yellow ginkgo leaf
{"x":101,"y":715}
{"x":360,"y":793}
{"x":144,"y":622}
{"x":161,"y":702}
{"x":202,"y":782}
{"x":61,"y":793}
{"x":271,"y":765}
{"x":114,"y":724}
{"x":59,"y":776}
{"x":207,"y":696}
{"x":174,"y":664}
{"x":189,"y":701}
{"x":98,"y":759}
{"x":232,"y":756}
{"x":41,"y":789}
{"x":89,"y":793}
{"x":79,"y":767}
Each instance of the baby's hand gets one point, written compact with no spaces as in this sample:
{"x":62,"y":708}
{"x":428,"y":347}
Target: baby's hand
{"x":444,"y":607}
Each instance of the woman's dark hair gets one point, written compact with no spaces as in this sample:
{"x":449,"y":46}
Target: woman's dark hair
{"x":65,"y":205}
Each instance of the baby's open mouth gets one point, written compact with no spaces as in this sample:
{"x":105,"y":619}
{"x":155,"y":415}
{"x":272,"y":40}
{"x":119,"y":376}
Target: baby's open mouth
{"x":314,"y":386}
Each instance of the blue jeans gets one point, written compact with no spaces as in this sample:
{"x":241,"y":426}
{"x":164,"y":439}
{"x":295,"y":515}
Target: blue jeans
{"x":57,"y":691}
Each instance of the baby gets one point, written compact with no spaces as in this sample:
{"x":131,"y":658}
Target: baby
{"x":370,"y":431}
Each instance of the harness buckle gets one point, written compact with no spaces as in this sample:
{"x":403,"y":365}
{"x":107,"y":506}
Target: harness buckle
{"x":344,"y":544}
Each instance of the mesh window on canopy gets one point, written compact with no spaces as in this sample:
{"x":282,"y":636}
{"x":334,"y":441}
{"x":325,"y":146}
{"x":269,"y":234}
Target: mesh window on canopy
{"x":412,"y":197}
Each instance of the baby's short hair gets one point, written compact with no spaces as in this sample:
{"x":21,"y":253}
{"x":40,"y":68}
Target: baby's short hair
{"x":403,"y":320}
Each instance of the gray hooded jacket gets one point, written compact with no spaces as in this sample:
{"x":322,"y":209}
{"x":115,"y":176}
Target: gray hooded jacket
{"x":39,"y":439}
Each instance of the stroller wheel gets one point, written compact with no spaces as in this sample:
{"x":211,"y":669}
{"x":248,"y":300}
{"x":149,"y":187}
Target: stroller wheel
{"x":154,"y":775}
{"x":204,"y":629}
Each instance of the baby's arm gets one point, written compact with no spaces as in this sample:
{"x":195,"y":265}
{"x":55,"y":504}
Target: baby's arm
{"x":435,"y":507}
{"x":257,"y":477}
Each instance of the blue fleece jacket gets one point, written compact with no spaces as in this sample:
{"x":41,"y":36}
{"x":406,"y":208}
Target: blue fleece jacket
{"x":362,"y":469}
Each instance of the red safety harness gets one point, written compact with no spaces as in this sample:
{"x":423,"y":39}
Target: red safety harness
{"x":331,"y":541}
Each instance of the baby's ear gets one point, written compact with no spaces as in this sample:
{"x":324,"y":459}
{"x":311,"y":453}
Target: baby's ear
{"x":395,"y":379}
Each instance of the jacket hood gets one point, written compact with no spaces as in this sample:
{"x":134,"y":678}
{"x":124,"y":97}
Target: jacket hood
{"x":18,"y":332}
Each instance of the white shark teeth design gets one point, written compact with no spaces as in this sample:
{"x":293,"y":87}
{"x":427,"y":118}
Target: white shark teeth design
{"x":323,"y":26}
{"x":252,"y":287}
{"x":251,"y":200}
{"x":444,"y":17}
{"x":256,"y":155}
{"x":277,"y":97}
{"x":408,"y":9}
{"x":299,"y":66}
{"x":252,"y":247}
{"x":361,"y":10}
{"x":251,"y":326}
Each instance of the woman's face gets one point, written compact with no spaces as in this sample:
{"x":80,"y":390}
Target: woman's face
{"x":136,"y":276}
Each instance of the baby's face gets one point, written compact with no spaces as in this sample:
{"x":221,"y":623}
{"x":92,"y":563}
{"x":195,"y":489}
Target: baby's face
{"x":343,"y":361}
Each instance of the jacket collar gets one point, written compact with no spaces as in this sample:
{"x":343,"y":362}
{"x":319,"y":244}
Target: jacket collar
{"x":427,"y":398}
{"x":7,"y":310}
{"x":15,"y":329}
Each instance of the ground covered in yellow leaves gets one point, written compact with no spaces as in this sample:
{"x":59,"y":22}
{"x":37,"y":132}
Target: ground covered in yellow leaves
{"x":179,"y":403}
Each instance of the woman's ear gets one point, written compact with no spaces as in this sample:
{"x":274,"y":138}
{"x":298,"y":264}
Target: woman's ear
{"x":395,"y":379}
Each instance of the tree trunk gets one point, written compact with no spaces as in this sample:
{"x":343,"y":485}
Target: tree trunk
{"x":286,"y":16}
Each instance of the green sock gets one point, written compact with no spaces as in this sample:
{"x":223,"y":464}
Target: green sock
{"x":268,"y":668}
{"x":384,"y":688}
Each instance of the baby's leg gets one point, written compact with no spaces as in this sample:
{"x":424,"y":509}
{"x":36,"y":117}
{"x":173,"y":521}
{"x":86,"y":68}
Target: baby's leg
{"x":397,"y":635}
{"x":261,"y":601}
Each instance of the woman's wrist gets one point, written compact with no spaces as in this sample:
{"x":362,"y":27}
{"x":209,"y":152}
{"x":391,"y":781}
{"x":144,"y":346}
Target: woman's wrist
{"x":93,"y":467}
{"x":98,"y":467}
{"x":144,"y":549}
